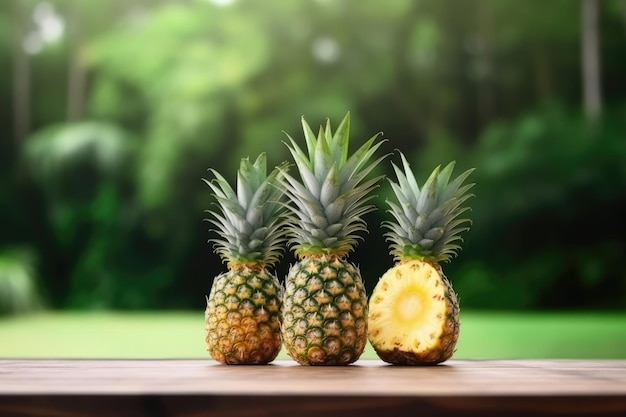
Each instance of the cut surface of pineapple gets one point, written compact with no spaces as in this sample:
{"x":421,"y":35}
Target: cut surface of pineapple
{"x":409,"y":309}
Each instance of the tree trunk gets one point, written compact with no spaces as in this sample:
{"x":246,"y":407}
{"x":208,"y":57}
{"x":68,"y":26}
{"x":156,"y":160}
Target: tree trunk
{"x":624,"y":14}
{"x":404,"y":77}
{"x":544,"y":79}
{"x":77,"y":75}
{"x":592,"y":94}
{"x":485,"y":94}
{"x":21,"y":78}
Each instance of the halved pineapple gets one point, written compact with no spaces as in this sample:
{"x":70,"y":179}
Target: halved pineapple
{"x":413,"y":311}
{"x":414,"y":315}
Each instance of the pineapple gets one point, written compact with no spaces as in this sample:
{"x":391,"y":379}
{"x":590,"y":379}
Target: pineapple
{"x":325,"y":304}
{"x":413,"y":310}
{"x":242,"y":318}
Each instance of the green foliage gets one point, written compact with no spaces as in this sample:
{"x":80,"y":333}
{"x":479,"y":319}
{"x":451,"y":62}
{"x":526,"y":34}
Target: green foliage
{"x":76,"y":165}
{"x":203,"y":56}
{"x":113,"y":205}
{"x":550,"y":196}
{"x":18,"y":286}
{"x":81,"y":170}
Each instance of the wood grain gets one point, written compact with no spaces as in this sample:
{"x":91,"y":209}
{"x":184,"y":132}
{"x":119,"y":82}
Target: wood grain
{"x":369,"y":387}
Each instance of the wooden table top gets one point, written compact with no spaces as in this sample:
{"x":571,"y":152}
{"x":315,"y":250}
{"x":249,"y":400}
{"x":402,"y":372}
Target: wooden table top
{"x":364,"y":378}
{"x":597,"y":387}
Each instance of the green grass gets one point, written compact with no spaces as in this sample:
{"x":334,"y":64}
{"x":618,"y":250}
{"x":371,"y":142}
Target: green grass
{"x":180,"y":335}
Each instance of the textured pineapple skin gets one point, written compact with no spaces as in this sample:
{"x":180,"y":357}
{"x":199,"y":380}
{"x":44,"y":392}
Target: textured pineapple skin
{"x":324,"y":312}
{"x":440,"y":349}
{"x":242,"y":318}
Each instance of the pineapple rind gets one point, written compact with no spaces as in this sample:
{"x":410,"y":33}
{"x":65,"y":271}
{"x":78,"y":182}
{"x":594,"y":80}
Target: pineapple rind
{"x":431,"y":337}
{"x":242,"y":318}
{"x":324,"y":312}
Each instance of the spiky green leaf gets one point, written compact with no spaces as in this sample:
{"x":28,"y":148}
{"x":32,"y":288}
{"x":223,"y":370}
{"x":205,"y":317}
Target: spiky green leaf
{"x":332,"y":194}
{"x":249,"y":222}
{"x":426,"y":220}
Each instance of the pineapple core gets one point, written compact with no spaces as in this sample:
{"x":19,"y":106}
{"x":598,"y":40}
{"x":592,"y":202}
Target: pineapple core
{"x":408,"y":308}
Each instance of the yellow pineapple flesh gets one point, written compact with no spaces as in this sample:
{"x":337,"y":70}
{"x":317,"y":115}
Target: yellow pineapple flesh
{"x":414,"y":315}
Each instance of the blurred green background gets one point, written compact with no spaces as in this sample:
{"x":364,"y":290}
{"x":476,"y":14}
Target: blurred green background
{"x":117,"y":108}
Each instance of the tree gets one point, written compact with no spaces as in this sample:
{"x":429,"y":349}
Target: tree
{"x":21,"y":75}
{"x":591,"y":68}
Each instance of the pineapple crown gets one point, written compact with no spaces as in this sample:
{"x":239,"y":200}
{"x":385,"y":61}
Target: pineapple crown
{"x":249,"y":222}
{"x":330,"y":200}
{"x":427,"y":224}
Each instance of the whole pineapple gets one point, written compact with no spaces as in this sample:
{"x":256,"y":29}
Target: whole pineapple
{"x":242,"y":318}
{"x":413,"y":310}
{"x":325,"y":305}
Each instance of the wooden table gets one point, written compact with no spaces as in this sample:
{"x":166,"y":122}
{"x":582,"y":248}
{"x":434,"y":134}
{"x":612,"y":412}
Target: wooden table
{"x":202,"y":387}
